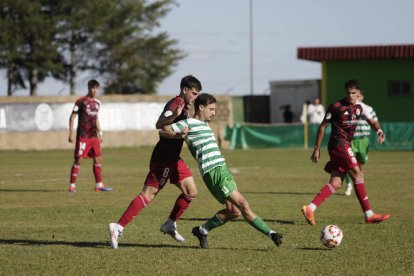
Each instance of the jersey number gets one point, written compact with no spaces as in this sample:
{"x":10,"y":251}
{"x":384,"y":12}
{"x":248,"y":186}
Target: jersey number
{"x":164,"y":177}
{"x":82,"y":147}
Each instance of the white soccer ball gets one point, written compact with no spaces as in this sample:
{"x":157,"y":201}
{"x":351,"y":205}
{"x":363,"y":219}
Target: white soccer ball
{"x":331,"y":236}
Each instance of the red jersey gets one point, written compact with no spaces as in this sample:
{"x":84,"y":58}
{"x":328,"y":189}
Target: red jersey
{"x":87,"y":110}
{"x":343,"y":117}
{"x":168,"y":150}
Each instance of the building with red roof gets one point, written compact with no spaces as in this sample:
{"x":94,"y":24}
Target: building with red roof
{"x":386,"y":74}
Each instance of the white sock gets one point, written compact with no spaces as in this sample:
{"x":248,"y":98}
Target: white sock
{"x":270,"y":234}
{"x":99,"y":185}
{"x":72,"y":184}
{"x":119,"y":227}
{"x":368,"y":213}
{"x":203,"y":230}
{"x":312,"y":206}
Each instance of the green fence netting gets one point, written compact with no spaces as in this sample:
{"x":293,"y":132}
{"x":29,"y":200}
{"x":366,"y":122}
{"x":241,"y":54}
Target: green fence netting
{"x":398,"y":136}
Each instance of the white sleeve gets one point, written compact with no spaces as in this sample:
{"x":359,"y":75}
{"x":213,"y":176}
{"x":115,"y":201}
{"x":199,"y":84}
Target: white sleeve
{"x":179,"y":126}
{"x":366,"y":111}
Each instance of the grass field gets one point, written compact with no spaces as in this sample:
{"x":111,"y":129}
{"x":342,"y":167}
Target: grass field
{"x":46,"y":230}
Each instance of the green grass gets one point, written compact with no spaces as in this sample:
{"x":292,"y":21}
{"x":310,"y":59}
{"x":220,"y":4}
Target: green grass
{"x":46,"y":230}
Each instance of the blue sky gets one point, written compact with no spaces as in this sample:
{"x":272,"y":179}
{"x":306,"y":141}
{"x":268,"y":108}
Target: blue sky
{"x":215,"y":36}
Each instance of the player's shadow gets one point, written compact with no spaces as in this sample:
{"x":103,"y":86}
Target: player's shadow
{"x":313,"y":248}
{"x":242,"y":220}
{"x":87,"y":244}
{"x":29,"y":191}
{"x":278,"y":193}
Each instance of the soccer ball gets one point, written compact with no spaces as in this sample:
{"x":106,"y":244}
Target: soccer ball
{"x":331,"y":236}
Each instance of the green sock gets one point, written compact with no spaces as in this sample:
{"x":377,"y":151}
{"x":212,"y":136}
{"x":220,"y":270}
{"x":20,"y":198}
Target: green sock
{"x":348,"y":179}
{"x":213,"y":223}
{"x":261,"y":226}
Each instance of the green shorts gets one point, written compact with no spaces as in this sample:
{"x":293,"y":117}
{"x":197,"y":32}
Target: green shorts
{"x":220,"y":183}
{"x":360,"y":146}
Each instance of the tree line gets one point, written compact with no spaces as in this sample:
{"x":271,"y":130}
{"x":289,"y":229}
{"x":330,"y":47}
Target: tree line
{"x":116,"y":39}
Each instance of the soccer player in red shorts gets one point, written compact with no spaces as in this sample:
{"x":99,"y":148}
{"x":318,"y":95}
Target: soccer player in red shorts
{"x":88,"y":136}
{"x":344,"y":116}
{"x":166,"y":164}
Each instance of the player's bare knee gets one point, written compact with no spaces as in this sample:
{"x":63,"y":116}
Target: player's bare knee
{"x":189,"y":197}
{"x":359,"y":181}
{"x":236,"y":213}
{"x":244,"y":206}
{"x":149,"y":193}
{"x":336,"y":185}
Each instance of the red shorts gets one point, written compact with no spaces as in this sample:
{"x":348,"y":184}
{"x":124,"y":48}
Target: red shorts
{"x":160,"y":173}
{"x":342,"y":159}
{"x":87,"y":147}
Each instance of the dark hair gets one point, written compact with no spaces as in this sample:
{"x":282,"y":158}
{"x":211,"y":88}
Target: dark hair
{"x":203,"y":99}
{"x":93,"y":83}
{"x":190,"y":82}
{"x":352,"y":84}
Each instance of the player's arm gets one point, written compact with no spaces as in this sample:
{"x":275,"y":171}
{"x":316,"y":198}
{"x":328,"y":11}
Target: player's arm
{"x":99,"y":130}
{"x":371,"y":117}
{"x":72,"y":117}
{"x":319,"y":136}
{"x":168,"y":116}
{"x":168,"y":132}
{"x":377,"y":127}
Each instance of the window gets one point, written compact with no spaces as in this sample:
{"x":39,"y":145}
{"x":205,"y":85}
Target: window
{"x":399,"y":89}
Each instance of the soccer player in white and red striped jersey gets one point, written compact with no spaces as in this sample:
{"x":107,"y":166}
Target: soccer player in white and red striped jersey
{"x":344,"y":116}
{"x":88,"y":136}
{"x":166,"y":164}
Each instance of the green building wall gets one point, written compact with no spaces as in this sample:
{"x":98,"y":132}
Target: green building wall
{"x":374,"y":76}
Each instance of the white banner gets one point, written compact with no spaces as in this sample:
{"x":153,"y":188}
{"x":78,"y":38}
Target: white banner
{"x":55,"y":116}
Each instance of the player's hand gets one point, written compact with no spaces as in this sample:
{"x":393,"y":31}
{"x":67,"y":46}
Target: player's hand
{"x":381,"y":136}
{"x":315,"y":156}
{"x":71,"y":139}
{"x":179,"y":109}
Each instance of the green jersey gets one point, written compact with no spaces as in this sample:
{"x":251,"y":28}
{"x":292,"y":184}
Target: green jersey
{"x":363,"y":129}
{"x":202,"y":143}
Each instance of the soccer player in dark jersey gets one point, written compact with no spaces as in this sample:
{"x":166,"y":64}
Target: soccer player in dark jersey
{"x":166,"y":164}
{"x":343,"y":115}
{"x":88,"y":136}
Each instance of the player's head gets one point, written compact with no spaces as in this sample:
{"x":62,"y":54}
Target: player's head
{"x":352,"y":89}
{"x":93,"y":83}
{"x":360,"y":95}
{"x":205,"y":107}
{"x":190,"y":87}
{"x":93,"y":86}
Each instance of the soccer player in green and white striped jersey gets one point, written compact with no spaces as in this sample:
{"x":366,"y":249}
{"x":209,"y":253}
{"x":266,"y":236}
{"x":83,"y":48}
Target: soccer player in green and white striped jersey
{"x":360,"y":140}
{"x":212,"y":165}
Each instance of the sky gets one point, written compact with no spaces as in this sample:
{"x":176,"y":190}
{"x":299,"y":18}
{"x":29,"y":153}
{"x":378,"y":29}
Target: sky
{"x":215,"y":35}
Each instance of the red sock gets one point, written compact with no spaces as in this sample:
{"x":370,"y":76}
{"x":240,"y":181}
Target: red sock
{"x":97,"y":171}
{"x":74,"y":173}
{"x":181,"y":204}
{"x":136,"y":205}
{"x":362,"y":195}
{"x":324,"y":194}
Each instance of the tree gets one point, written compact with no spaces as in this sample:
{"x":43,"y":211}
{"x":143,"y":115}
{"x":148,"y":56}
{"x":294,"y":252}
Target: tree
{"x":130,"y":56}
{"x":11,"y":41}
{"x":49,"y":38}
{"x":79,"y":22}
{"x":33,"y":55}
